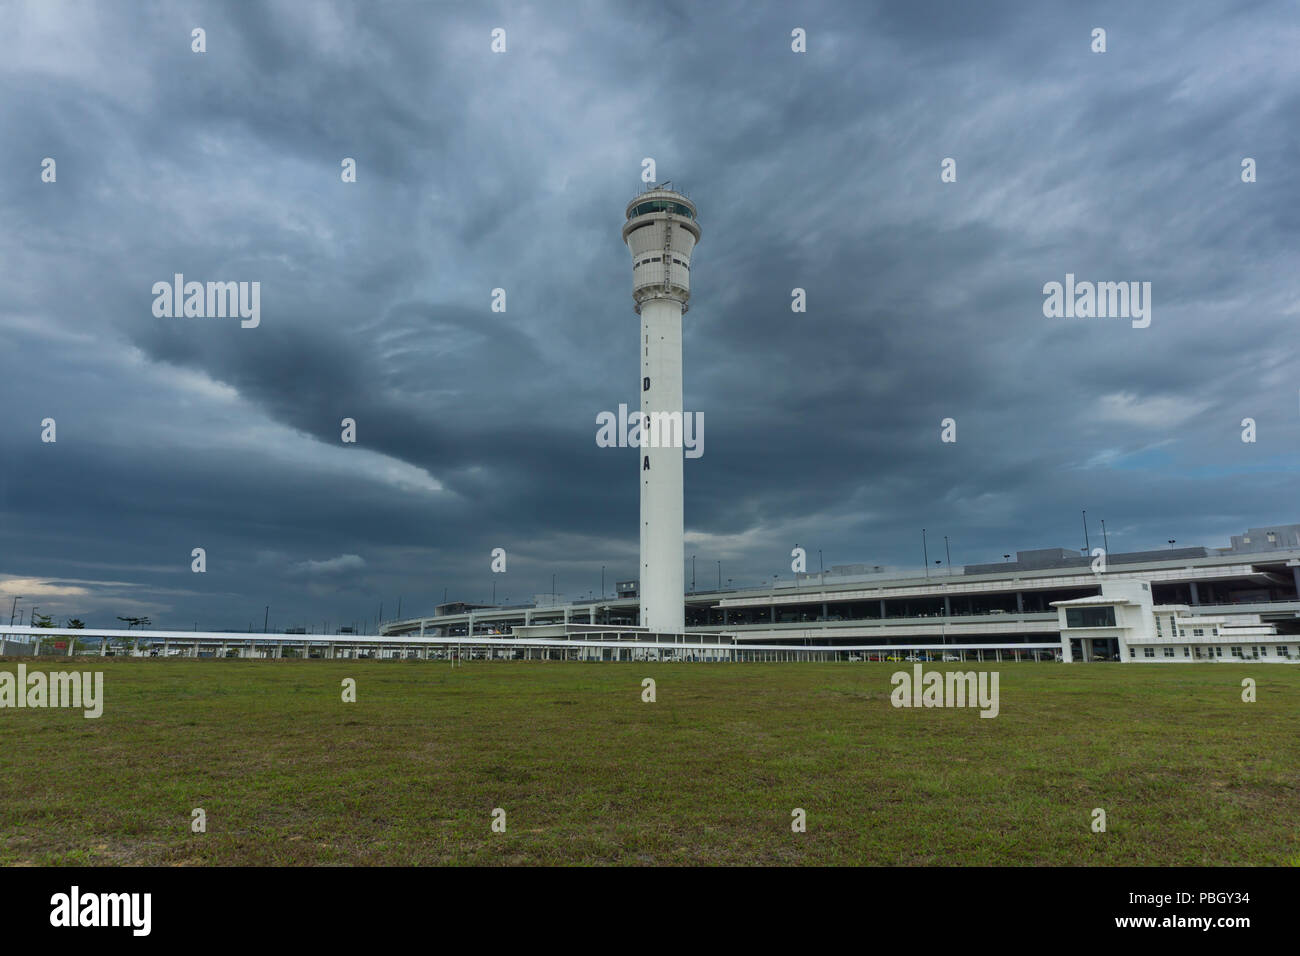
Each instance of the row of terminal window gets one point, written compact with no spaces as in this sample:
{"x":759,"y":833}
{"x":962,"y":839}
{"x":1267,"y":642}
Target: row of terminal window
{"x":1282,"y":651}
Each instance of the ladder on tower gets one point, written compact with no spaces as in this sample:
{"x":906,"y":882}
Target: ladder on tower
{"x":668,"y":252}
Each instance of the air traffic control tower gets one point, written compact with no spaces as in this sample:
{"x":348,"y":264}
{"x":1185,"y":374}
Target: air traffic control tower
{"x":661,"y":233}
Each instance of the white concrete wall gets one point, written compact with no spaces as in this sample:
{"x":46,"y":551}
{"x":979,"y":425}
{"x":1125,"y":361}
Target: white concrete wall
{"x":662,"y":530}
{"x":1271,"y":645}
{"x":1138,"y":618}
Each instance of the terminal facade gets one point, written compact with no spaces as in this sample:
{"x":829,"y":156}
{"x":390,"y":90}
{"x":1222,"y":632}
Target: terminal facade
{"x":1241,"y":602}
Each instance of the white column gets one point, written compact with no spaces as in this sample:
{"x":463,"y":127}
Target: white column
{"x":660,"y":468}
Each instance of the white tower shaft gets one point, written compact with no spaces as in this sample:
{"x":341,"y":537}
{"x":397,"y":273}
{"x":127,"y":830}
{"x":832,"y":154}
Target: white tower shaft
{"x":662,"y":529}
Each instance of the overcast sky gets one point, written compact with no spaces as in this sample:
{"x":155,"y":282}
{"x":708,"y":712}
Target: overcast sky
{"x":479,"y":170}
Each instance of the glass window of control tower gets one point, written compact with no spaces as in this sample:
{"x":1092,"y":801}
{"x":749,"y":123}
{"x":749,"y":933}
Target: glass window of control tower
{"x":660,"y":205}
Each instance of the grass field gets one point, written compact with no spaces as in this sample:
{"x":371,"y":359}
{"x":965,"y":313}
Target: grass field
{"x":589,"y":774}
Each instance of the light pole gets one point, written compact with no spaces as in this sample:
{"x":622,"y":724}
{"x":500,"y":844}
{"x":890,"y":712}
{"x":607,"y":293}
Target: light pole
{"x":926,"y":552}
{"x":602,"y":582}
{"x":12,"y":608}
{"x":266,"y":618}
{"x":692,"y":574}
{"x":821,"y":569}
{"x":947,"y":553}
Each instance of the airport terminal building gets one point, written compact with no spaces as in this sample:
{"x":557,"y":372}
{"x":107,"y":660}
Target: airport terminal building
{"x":1240,"y":602}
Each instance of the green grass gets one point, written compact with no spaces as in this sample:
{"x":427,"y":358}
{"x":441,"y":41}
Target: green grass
{"x":588,"y":774}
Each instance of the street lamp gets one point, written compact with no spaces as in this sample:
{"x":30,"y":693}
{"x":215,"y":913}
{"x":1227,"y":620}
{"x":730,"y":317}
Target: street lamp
{"x":12,"y":608}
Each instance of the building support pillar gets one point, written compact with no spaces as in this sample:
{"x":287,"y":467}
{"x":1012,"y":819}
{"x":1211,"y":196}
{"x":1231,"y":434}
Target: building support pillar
{"x":1196,"y":595}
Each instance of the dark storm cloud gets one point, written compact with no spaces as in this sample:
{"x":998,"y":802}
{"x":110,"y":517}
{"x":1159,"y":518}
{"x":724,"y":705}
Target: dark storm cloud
{"x":479,"y":171}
